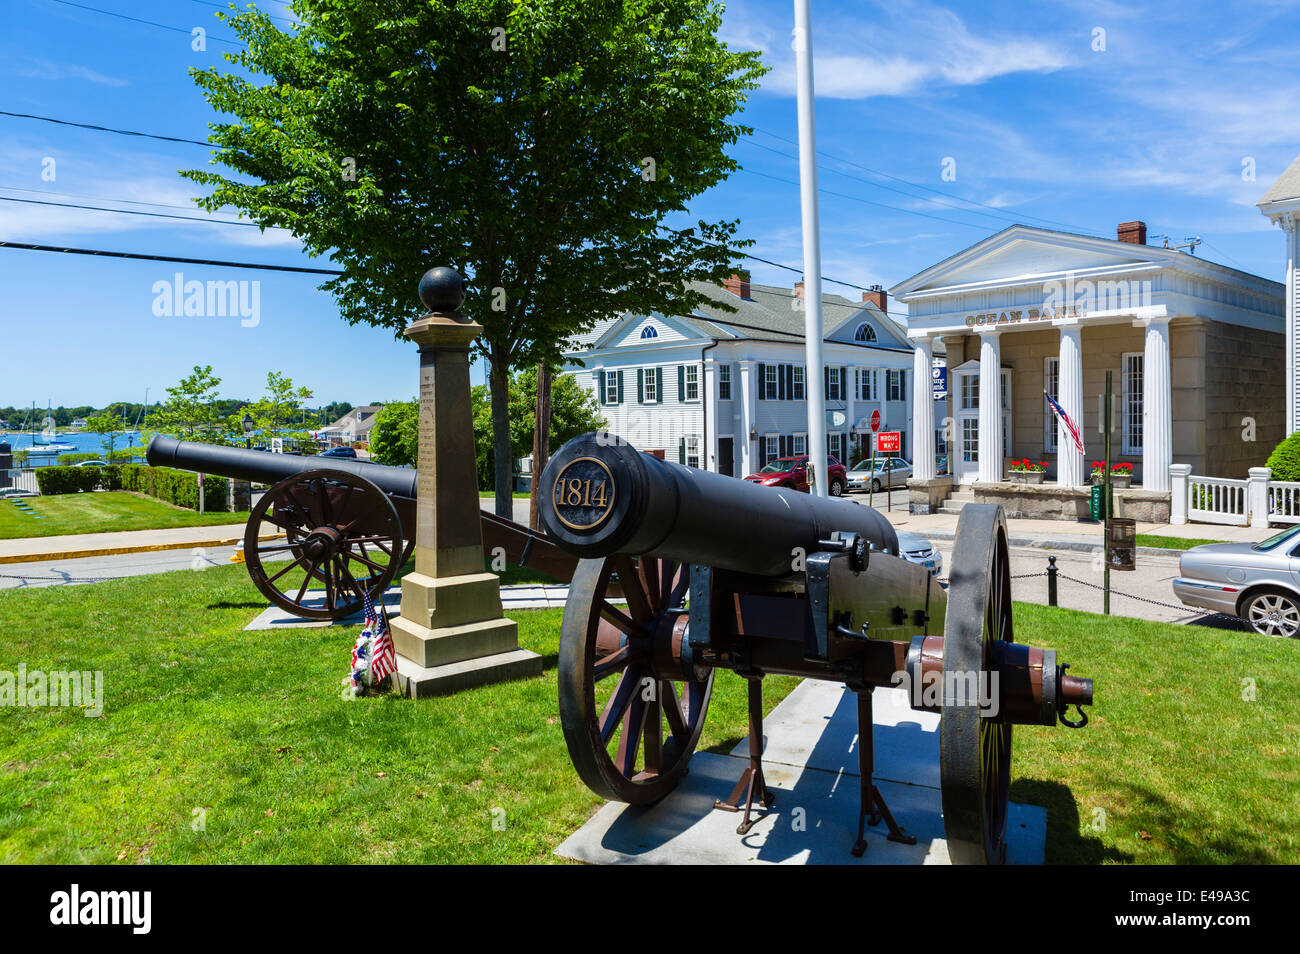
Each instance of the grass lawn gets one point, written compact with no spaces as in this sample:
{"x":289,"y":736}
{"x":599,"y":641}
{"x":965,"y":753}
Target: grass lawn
{"x":100,"y":513}
{"x":250,"y":727}
{"x":1172,"y":543}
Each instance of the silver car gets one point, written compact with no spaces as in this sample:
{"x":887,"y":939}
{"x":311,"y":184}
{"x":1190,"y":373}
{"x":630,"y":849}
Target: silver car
{"x":917,"y":549}
{"x":1257,"y":582}
{"x":889,"y":472}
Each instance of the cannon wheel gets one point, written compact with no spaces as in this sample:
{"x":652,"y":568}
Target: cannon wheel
{"x":633,"y":745}
{"x":340,"y":528}
{"x":975,"y":751}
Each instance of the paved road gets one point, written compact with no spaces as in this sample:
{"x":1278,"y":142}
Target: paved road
{"x":97,"y":569}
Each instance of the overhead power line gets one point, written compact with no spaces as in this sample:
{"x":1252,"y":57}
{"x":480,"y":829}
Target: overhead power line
{"x":152,"y":215}
{"x":109,"y":129}
{"x":152,"y":23}
{"x":168,"y":258}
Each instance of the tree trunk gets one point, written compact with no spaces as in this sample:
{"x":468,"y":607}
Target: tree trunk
{"x":503,"y":470}
{"x":541,"y":440}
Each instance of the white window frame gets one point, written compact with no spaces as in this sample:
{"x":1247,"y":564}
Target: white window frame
{"x":799,"y":444}
{"x":894,"y":384}
{"x":649,"y":386}
{"x":692,"y":383}
{"x":770,"y":390}
{"x":1052,"y":385}
{"x":724,"y":382}
{"x":797,"y":383}
{"x":864,"y":332}
{"x":1131,"y":402}
{"x":868,"y":384}
{"x":968,"y":392}
{"x":611,"y":388}
{"x":771,"y":448}
{"x":834,"y":383}
{"x":835,"y":445}
{"x":693,"y":450}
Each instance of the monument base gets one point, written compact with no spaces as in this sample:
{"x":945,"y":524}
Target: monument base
{"x":419,"y":682}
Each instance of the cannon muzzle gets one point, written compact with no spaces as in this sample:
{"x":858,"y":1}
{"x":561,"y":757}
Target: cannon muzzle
{"x":600,"y":496}
{"x":259,"y":466}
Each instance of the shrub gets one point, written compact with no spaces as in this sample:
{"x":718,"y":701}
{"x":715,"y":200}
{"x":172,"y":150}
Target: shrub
{"x":67,"y":480}
{"x":1285,"y":459}
{"x":178,"y":487}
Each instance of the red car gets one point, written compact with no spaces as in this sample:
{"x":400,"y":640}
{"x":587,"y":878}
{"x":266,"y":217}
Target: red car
{"x":791,"y":472}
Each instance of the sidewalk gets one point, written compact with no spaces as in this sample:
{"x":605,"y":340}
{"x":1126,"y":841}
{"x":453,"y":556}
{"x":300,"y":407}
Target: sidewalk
{"x":1072,"y":535}
{"x":72,"y":546}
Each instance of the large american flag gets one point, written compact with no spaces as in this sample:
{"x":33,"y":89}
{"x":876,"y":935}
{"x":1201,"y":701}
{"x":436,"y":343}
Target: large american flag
{"x":1065,"y":419}
{"x":383,"y":656}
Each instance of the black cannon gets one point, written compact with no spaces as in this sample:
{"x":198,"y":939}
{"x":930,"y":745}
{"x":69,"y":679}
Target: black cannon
{"x":330,"y":531}
{"x":719,"y":573}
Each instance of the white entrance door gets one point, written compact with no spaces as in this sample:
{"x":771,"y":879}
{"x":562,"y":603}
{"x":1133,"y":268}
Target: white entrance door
{"x":966,"y":420}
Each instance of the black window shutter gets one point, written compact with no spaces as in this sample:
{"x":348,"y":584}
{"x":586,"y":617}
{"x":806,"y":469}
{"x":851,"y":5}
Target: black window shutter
{"x":659,"y":385}
{"x":844,"y":383}
{"x":600,"y":381}
{"x":681,"y":451}
{"x":789,"y":381}
{"x":640,"y":385}
{"x":902,"y":385}
{"x":681,"y":382}
{"x":781,"y":392}
{"x":762,"y":381}
{"x":620,"y":387}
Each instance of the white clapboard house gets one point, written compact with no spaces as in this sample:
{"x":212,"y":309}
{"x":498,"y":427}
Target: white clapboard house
{"x":726,"y":390}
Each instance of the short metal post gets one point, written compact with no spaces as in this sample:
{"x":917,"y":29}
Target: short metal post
{"x":1051,"y":581}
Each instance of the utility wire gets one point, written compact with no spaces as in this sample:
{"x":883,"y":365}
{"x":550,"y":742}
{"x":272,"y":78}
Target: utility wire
{"x":152,"y":23}
{"x":168,"y":258}
{"x":152,"y":215}
{"x":120,"y":132}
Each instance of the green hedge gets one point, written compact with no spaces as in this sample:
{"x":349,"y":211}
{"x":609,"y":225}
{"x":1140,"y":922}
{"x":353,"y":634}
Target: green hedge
{"x":68,"y":480}
{"x":177,"y":487}
{"x":1285,"y":459}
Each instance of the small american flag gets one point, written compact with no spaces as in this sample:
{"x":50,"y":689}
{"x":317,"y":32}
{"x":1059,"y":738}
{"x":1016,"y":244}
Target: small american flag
{"x":383,"y":656}
{"x":1065,"y":419}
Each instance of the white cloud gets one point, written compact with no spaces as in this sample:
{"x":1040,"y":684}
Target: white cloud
{"x":49,"y":70}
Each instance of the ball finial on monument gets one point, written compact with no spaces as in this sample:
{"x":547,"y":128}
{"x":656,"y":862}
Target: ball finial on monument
{"x":442,"y":289}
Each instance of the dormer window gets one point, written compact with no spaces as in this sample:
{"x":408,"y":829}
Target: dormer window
{"x":649,"y":331}
{"x":864,"y":333}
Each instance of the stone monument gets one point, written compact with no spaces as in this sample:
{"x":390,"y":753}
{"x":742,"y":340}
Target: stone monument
{"x":451,"y":634}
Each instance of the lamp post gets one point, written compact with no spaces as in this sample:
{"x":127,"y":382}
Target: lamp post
{"x":248,"y":431}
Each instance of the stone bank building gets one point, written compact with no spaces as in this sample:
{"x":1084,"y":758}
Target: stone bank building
{"x":1197,"y":353}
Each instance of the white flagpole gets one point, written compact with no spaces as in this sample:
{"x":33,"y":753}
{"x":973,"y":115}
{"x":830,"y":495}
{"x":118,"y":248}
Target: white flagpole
{"x":812,"y":264}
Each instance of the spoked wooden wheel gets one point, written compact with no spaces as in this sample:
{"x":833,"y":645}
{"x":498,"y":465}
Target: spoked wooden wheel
{"x":632,"y":701}
{"x":974,"y":746}
{"x":342,"y":535}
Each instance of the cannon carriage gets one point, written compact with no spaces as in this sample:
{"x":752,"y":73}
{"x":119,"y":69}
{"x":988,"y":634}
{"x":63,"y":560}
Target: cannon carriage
{"x":713,"y":573}
{"x":349,"y":526}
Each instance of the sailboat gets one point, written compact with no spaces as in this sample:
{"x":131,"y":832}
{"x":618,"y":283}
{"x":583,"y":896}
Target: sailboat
{"x":46,"y":448}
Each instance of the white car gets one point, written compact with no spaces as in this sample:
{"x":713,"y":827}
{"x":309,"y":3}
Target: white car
{"x":917,"y":549}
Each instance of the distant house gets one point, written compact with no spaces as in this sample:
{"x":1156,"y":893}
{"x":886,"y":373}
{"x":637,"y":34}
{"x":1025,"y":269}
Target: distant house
{"x":353,"y":426}
{"x":79,"y":422}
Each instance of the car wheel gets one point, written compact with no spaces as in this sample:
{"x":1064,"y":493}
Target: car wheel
{"x":1273,"y":613}
{"x":875,"y":486}
{"x":837,"y":488}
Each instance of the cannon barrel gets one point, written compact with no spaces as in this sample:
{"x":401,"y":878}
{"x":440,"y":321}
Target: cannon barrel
{"x":600,"y":496}
{"x":267,"y":468}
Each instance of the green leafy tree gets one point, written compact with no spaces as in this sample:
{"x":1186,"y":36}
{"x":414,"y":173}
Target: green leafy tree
{"x":191,"y":410}
{"x":108,"y":424}
{"x":537,"y":146}
{"x":1285,"y":459}
{"x":395,"y":437}
{"x":278,"y":409}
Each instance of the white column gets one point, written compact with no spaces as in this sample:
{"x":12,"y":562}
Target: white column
{"x":1069,"y":459}
{"x":1257,"y":496}
{"x":1157,"y":407}
{"x":1291,"y":226}
{"x":990,"y":450}
{"x":922,"y":411}
{"x":748,"y":417}
{"x":1178,"y":474}
{"x":710,"y":437}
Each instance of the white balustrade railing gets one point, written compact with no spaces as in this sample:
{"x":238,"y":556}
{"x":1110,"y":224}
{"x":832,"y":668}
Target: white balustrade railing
{"x":1284,"y":501}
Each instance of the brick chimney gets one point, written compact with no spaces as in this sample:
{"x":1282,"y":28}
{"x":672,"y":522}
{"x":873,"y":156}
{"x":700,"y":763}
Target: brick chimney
{"x":738,"y":284}
{"x":1135,"y":233}
{"x":878,"y":297}
{"x":798,"y":289}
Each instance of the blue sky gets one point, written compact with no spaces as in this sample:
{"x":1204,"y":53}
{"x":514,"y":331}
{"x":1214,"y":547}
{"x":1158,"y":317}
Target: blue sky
{"x":1045,"y":121}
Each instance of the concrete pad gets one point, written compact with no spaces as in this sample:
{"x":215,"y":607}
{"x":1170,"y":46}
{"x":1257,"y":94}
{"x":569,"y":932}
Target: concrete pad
{"x":275,"y":618}
{"x":810,"y":762}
